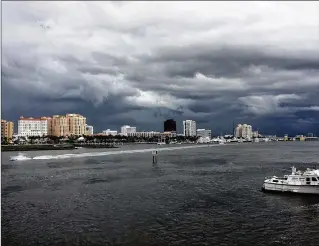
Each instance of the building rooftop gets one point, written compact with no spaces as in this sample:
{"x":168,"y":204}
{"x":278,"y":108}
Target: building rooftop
{"x":34,"y":119}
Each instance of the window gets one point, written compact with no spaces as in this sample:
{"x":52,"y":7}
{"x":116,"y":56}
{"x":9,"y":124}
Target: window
{"x":313,"y":179}
{"x":276,"y":181}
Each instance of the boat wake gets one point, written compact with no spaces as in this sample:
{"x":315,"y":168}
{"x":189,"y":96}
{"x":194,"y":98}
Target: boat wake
{"x":92,"y":154}
{"x":20,"y":157}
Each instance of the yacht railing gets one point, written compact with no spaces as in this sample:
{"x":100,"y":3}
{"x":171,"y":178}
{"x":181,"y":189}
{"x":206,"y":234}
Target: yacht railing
{"x":275,"y":177}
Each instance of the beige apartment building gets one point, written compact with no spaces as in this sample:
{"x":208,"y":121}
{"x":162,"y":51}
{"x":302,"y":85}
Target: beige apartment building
{"x":59,"y":126}
{"x":69,"y":124}
{"x":77,"y":124}
{"x":7,"y":128}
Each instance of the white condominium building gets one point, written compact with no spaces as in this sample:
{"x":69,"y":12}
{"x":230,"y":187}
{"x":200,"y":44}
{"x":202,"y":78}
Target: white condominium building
{"x":189,"y":127}
{"x":238,"y":131}
{"x":127,"y":129}
{"x":244,"y":131}
{"x":109,"y":132}
{"x":33,"y":126}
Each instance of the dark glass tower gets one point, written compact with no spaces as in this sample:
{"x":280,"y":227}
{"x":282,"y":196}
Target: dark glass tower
{"x":170,"y":125}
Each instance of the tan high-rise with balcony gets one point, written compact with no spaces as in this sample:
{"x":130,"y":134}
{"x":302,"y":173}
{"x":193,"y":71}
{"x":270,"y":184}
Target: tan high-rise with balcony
{"x":59,"y":126}
{"x":77,"y":124}
{"x":66,"y":125}
{"x":49,"y":120}
{"x":7,"y":129}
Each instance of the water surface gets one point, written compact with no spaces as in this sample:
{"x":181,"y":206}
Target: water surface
{"x":200,"y":196}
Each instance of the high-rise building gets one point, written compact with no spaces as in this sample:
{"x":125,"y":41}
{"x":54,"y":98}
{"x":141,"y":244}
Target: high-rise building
{"x":7,"y":128}
{"x":49,"y":124}
{"x":69,"y":124}
{"x":204,"y":133}
{"x":59,"y":126}
{"x":170,"y":125}
{"x":238,"y":131}
{"x":89,"y":130}
{"x":77,"y":124}
{"x":244,"y":131}
{"x":247,"y":131}
{"x":189,"y":127}
{"x":127,"y":129}
{"x":33,"y":126}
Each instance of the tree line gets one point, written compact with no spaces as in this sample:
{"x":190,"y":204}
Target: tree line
{"x":97,"y":139}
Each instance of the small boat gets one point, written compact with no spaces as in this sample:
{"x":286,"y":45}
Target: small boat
{"x":303,"y":182}
{"x":20,"y":157}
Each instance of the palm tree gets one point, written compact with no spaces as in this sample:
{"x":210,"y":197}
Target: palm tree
{"x":4,"y":140}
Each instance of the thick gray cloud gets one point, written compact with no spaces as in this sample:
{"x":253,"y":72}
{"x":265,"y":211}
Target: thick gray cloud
{"x":139,"y":63}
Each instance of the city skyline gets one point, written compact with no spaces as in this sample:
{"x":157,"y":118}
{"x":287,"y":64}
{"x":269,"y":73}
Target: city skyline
{"x":257,"y":66}
{"x":189,"y":127}
{"x":75,"y":125}
{"x":60,"y":125}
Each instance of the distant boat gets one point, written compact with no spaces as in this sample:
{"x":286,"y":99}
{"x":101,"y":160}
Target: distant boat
{"x":306,"y":182}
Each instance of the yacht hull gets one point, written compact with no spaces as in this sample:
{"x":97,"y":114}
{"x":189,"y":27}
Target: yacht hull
{"x":302,"y":189}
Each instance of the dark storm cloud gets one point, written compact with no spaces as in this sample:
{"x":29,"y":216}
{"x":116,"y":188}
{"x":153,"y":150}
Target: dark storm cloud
{"x":140,"y":63}
{"x":97,"y":70}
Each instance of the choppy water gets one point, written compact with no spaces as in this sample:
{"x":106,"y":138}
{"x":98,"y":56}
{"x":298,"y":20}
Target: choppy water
{"x":200,"y":196}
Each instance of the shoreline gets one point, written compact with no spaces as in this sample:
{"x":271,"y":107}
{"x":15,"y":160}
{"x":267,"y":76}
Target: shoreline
{"x":38,"y":147}
{"x":35,"y":147}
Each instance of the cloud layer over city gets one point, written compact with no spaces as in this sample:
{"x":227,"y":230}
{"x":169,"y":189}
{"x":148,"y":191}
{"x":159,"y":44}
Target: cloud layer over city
{"x":139,"y":63}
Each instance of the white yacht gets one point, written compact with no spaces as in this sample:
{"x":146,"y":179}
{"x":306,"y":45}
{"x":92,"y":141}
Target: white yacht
{"x":305,"y":182}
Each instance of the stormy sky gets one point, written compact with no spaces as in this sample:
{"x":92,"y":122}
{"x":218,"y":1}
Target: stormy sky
{"x":139,"y":63}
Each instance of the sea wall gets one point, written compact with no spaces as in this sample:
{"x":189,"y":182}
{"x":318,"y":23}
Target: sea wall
{"x":95,"y":146}
{"x":33,"y":147}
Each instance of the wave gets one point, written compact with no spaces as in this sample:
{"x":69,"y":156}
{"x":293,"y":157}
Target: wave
{"x":92,"y":154}
{"x":20,"y":157}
